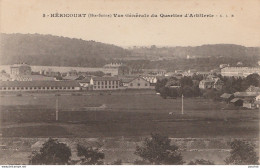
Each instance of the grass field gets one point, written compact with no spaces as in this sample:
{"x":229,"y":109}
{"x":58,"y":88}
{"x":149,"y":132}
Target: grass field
{"x":122,"y":114}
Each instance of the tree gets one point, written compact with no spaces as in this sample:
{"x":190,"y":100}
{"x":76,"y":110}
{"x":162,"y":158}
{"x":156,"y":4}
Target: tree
{"x":242,"y":153}
{"x":90,"y":156}
{"x":164,"y":91}
{"x":51,"y":153}
{"x":158,"y":151}
{"x":201,"y":162}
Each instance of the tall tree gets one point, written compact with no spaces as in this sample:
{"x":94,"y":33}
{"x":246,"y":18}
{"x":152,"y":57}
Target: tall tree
{"x":158,"y":151}
{"x":90,"y":156}
{"x":242,"y":153}
{"x":51,"y":153}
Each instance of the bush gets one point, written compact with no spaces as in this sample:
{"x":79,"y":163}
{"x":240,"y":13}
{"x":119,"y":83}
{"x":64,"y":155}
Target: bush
{"x":51,"y":153}
{"x":159,"y":151}
{"x":242,"y":153}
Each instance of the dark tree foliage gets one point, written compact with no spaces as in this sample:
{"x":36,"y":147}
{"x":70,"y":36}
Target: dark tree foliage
{"x":90,"y":156}
{"x":186,"y":81}
{"x":51,"y":153}
{"x":242,"y":153}
{"x":201,"y":162}
{"x":158,"y":150}
{"x":160,"y":84}
{"x":253,"y":79}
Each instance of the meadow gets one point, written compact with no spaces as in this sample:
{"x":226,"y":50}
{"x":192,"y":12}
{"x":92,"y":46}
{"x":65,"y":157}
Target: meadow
{"x":93,"y":114}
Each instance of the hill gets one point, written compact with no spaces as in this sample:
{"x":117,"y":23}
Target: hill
{"x":39,"y":49}
{"x":36,"y":49}
{"x":215,"y":50}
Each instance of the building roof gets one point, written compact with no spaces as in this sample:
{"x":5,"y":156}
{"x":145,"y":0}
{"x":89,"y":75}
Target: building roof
{"x":246,"y":94}
{"x":235,"y":100}
{"x":253,"y":89}
{"x":105,"y":78}
{"x":226,"y":96}
{"x":38,"y":83}
{"x":33,"y":77}
{"x":126,"y":80}
{"x":85,"y":80}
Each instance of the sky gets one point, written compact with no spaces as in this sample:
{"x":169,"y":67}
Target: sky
{"x":26,"y":16}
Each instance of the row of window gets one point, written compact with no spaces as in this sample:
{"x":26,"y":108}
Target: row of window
{"x":138,"y":84}
{"x":102,"y":87}
{"x":106,"y":82}
{"x":35,"y":88}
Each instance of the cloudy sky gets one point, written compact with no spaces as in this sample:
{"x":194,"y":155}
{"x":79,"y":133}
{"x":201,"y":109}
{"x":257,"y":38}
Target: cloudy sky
{"x":25,"y":16}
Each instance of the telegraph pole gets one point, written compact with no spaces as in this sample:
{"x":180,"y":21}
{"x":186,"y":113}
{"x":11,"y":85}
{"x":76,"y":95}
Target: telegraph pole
{"x":57,"y":108}
{"x":182,"y":112}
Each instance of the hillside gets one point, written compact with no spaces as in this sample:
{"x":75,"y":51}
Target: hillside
{"x":36,"y":49}
{"x":39,"y":49}
{"x":215,"y":50}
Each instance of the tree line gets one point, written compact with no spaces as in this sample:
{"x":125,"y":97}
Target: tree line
{"x":156,"y":150}
{"x":189,"y":86}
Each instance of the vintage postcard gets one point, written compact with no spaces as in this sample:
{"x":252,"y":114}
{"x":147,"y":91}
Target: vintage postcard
{"x":148,"y":82}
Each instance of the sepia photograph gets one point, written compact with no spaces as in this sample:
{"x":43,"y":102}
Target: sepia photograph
{"x":148,"y":82}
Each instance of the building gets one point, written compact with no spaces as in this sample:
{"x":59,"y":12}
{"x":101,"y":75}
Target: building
{"x":39,"y":86}
{"x":5,"y":77}
{"x":150,"y":78}
{"x":253,"y":89}
{"x":136,"y":83}
{"x":104,"y":83}
{"x":237,"y":102}
{"x":239,"y":71}
{"x":20,"y":69}
{"x":157,"y":72}
{"x":113,"y":65}
{"x":85,"y":83}
{"x":31,"y":78}
{"x":223,"y":66}
{"x":211,"y":83}
{"x":227,"y":97}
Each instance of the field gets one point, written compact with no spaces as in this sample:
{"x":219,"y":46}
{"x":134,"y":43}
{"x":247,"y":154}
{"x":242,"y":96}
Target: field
{"x":118,"y":121}
{"x":123,"y":114}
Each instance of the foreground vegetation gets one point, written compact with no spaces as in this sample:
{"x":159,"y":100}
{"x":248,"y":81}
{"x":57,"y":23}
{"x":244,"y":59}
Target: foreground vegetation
{"x":156,"y":150}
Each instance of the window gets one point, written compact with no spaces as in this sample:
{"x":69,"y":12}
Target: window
{"x":47,"y":87}
{"x":138,"y":84}
{"x":72,"y":87}
{"x":98,"y":83}
{"x":39,"y":87}
{"x":113,"y":86}
{"x":109,"y":86}
{"x":94,"y":87}
{"x":31,"y":88}
{"x":105,"y":86}
{"x":26,"y":88}
{"x":0,"y":88}
{"x":13,"y":88}
{"x":131,"y":84}
{"x":116,"y":86}
{"x":22,"y":88}
{"x":56,"y":88}
{"x":68,"y":87}
{"x":51,"y":87}
{"x":146,"y":84}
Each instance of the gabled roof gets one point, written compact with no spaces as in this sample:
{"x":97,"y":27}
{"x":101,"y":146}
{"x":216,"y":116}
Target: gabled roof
{"x":105,"y":78}
{"x":246,"y":94}
{"x":235,"y":100}
{"x":130,"y":80}
{"x":253,"y":89}
{"x":226,"y":95}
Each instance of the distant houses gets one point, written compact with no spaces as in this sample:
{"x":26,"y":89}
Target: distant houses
{"x":211,"y":82}
{"x":249,"y":99}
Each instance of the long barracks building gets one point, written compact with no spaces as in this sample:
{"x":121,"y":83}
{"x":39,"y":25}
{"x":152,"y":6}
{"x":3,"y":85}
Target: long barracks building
{"x":239,"y":71}
{"x":38,"y":86}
